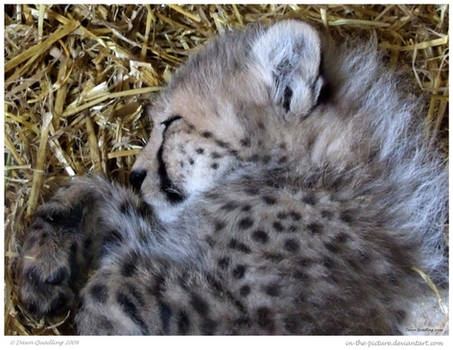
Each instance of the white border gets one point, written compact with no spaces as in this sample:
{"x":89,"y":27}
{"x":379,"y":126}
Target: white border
{"x":263,"y":342}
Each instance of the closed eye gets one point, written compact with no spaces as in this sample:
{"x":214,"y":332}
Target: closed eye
{"x":173,"y":193}
{"x":168,"y":122}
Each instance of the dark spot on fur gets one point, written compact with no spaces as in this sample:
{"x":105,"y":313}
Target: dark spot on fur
{"x":235,"y":244}
{"x":233,"y":152}
{"x":208,"y":327}
{"x":199,"y":150}
{"x":215,"y":155}
{"x":342,"y":237}
{"x":353,"y":264}
{"x":215,"y":284}
{"x":224,"y":263}
{"x":332,"y":247}
{"x":129,"y":267}
{"x":328,"y":262}
{"x":260,"y":236}
{"x":131,"y":311}
{"x":347,"y":216}
{"x":326,"y":214}
{"x":244,"y":291}
{"x":293,"y":228}
{"x":199,"y":305}
{"x":364,"y":258}
{"x":252,"y":191}
{"x":229,"y":206}
{"x":301,"y":275}
{"x":266,"y":159}
{"x":264,"y":318}
{"x":99,"y":293}
{"x":277,"y":225}
{"x":304,"y":262}
{"x":242,"y":323}
{"x":206,"y":134}
{"x":272,"y":290}
{"x":291,"y":324}
{"x":245,"y":142}
{"x":260,"y":125}
{"x":136,"y":294}
{"x":282,"y":160}
{"x":246,"y":207}
{"x":211,"y":242}
{"x":183,"y":281}
{"x":126,"y":208}
{"x":183,"y":323}
{"x":158,"y":287}
{"x":309,"y":199}
{"x":254,"y":158}
{"x":287,"y":95}
{"x":269,"y":200}
{"x":105,"y":324}
{"x":282,"y":215}
{"x":212,"y":195}
{"x":165,"y":314}
{"x":191,"y":161}
{"x":144,"y":210}
{"x":314,"y":228}
{"x":291,"y":245}
{"x":245,"y":223}
{"x":222,"y":144}
{"x":239,"y":271}
{"x":214,"y":166}
{"x":219,"y":225}
{"x":181,"y":164}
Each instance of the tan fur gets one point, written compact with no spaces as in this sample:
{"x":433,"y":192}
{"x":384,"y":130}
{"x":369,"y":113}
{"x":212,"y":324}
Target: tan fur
{"x":284,"y":190}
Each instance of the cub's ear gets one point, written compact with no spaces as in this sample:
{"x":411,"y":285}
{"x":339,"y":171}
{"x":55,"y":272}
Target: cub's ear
{"x":287,"y":56}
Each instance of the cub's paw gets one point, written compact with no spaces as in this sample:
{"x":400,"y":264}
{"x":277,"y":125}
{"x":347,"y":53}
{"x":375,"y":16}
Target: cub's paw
{"x":47,"y":270}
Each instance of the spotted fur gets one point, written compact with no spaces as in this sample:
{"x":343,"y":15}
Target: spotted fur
{"x":286,"y":189}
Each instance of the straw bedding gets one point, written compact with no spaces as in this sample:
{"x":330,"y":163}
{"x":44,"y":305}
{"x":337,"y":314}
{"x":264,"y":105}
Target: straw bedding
{"x":77,"y":77}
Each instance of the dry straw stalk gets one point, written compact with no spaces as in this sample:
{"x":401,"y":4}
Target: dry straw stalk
{"x":77,"y":76}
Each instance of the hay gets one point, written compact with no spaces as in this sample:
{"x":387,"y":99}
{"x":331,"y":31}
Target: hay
{"x":76,"y":78}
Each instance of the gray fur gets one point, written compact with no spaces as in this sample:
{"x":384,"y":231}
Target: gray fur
{"x":285,"y":210}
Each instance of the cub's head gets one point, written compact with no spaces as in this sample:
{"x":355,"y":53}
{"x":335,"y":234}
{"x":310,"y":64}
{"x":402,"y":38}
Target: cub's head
{"x":225,"y":110}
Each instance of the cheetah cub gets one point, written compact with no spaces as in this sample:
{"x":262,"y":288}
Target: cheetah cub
{"x":285,"y":189}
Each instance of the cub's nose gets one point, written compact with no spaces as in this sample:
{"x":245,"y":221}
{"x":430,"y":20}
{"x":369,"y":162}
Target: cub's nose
{"x":136,"y":178}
